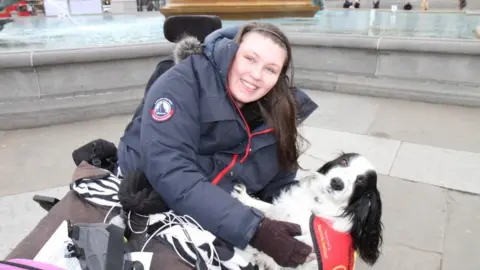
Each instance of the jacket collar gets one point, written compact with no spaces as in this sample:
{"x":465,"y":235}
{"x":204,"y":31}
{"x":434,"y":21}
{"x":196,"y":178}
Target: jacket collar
{"x":220,"y":48}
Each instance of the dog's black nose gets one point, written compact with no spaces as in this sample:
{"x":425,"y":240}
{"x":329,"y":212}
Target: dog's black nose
{"x":336,"y":183}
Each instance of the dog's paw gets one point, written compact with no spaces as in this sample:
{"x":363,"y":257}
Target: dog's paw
{"x":239,"y":190}
{"x":311,"y":257}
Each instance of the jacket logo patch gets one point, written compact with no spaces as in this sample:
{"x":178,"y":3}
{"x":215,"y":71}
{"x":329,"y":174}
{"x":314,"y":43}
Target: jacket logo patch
{"x":162,"y":110}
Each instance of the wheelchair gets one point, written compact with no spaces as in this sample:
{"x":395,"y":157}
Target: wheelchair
{"x":101,"y":153}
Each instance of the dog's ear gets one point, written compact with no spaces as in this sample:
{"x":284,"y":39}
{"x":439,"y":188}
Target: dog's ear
{"x":367,"y":228}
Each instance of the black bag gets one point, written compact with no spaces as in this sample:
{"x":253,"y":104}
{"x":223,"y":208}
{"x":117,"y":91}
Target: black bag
{"x":99,"y":153}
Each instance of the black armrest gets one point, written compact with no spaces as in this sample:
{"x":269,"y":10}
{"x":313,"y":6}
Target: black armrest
{"x":45,"y":202}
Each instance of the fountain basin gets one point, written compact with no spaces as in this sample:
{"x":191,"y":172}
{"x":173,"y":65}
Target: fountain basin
{"x":58,"y":86}
{"x":36,"y":33}
{"x":56,"y":70}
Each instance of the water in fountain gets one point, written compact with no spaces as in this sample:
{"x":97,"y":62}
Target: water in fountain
{"x":61,"y":8}
{"x":32,"y":34}
{"x":98,"y":30}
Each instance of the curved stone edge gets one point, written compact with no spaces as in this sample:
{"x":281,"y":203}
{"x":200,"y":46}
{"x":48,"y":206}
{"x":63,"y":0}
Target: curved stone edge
{"x":92,"y":54}
{"x":464,"y":95}
{"x":403,"y":44}
{"x":38,"y":58}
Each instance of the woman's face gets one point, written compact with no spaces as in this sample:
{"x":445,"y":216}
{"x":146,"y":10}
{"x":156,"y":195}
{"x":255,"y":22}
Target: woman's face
{"x":256,"y":68}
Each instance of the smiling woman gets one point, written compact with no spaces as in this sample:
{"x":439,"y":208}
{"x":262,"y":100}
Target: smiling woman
{"x":259,"y":74}
{"x":256,"y":68}
{"x":226,"y":113}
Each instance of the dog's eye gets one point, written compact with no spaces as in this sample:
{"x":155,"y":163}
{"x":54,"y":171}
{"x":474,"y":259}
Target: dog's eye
{"x":344,"y":162}
{"x":360,"y":180}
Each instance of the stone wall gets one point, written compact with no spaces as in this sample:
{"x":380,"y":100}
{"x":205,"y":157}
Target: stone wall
{"x":50,"y":87}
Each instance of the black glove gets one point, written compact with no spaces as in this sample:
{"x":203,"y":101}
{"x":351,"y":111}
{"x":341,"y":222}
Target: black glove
{"x":136,"y":194}
{"x":276,"y":239}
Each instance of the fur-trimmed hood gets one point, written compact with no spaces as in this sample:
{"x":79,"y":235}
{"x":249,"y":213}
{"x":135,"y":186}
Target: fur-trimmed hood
{"x":190,"y":45}
{"x":187,"y":46}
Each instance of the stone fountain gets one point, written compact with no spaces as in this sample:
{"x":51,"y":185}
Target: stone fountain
{"x":241,"y":9}
{"x":70,"y":69}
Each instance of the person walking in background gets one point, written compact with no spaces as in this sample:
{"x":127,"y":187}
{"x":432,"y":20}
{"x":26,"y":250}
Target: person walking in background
{"x":357,"y":4}
{"x":425,"y":5}
{"x":319,"y":3}
{"x":407,"y":6}
{"x":347,"y":4}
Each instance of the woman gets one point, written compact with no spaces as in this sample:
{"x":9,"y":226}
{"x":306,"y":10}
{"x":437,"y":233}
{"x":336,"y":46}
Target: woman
{"x":225,"y":115}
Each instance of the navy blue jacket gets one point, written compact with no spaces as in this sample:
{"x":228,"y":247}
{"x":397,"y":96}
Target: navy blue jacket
{"x":197,"y":136}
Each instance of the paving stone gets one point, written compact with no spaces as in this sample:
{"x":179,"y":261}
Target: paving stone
{"x":452,"y":169}
{"x":41,"y":158}
{"x":414,"y":214}
{"x":462,"y":235}
{"x":425,"y":123}
{"x":402,"y":120}
{"x":327,"y":144}
{"x":404,"y":258}
{"x":21,"y":214}
{"x":335,"y":112}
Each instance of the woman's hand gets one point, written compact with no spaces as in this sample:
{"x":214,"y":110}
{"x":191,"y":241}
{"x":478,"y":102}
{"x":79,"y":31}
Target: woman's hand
{"x":276,"y":239}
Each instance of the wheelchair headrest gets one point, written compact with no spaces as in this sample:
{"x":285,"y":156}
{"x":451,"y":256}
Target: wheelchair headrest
{"x":198,"y":26}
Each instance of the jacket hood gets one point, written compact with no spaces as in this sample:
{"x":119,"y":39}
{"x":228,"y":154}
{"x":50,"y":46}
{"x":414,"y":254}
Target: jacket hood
{"x":190,"y":45}
{"x":187,"y":46}
{"x":219,"y":48}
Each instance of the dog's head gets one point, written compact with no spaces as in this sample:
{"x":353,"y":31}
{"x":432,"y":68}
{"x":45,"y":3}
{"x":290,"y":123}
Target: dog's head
{"x":351,"y":183}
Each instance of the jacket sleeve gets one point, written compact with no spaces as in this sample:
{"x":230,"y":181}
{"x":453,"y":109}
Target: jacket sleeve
{"x":169,"y":146}
{"x":281,"y":182}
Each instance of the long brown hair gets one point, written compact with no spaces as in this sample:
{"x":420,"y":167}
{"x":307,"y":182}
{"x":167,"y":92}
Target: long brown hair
{"x":279,"y":107}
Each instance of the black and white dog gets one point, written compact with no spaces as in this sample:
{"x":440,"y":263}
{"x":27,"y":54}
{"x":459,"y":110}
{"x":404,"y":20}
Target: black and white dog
{"x":343,"y":194}
{"x":338,"y":208}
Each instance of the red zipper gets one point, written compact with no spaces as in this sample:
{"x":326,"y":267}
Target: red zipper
{"x":225,"y":171}
{"x":250,"y":135}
